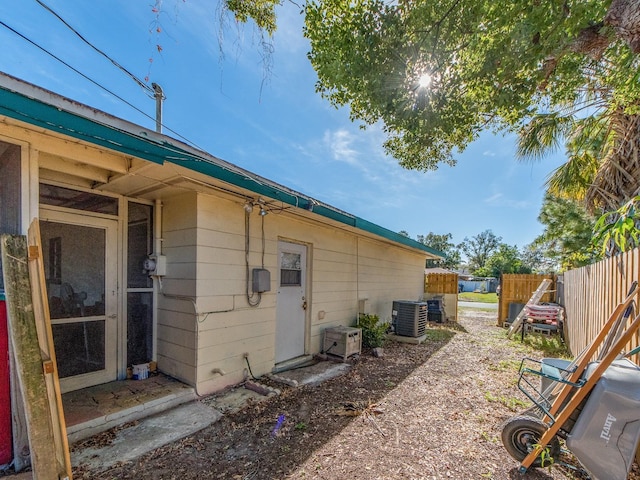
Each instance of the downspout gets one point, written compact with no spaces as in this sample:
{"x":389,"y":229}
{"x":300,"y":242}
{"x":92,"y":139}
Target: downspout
{"x":157,"y":248}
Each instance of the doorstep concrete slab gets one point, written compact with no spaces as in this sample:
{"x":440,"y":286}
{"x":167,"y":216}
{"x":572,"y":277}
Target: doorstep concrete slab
{"x":235,"y":399}
{"x":96,"y":409}
{"x":148,"y":434}
{"x":311,"y":375}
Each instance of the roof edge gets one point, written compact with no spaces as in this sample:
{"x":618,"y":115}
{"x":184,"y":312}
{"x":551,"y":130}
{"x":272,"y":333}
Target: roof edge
{"x":37,"y":106}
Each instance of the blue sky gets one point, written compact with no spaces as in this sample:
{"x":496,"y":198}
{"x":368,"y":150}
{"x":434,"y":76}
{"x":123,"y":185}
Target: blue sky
{"x":278,"y":127}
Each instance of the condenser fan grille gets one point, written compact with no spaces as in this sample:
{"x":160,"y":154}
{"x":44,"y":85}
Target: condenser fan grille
{"x":410,"y":318}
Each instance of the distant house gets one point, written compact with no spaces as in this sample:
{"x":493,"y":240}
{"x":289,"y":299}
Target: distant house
{"x":479,"y":284}
{"x":156,"y":251}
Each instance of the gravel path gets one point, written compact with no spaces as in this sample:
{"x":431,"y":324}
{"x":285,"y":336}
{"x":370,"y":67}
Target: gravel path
{"x":441,"y":422}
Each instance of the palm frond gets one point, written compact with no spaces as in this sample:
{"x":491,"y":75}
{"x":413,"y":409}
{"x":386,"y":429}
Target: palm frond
{"x":542,"y":135}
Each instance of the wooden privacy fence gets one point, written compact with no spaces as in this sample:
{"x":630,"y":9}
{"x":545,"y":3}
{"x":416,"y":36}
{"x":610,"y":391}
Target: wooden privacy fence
{"x":517,"y":288}
{"x":593,"y":292}
{"x":444,"y":285}
{"x":441,"y":283}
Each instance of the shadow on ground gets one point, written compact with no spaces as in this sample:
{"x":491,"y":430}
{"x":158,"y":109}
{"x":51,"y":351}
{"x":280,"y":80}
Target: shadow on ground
{"x":271,"y":439}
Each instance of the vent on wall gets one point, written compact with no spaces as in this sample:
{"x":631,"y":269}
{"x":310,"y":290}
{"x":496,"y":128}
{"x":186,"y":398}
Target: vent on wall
{"x":409,"y":318}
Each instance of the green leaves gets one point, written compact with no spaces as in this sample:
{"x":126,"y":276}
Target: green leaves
{"x":262,"y":12}
{"x":373,"y":331}
{"x":479,"y":248}
{"x":495,"y":64}
{"x":617,"y":231}
{"x":443,"y":244}
{"x":568,"y":230}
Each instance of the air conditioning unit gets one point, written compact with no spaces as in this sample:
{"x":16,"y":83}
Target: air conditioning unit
{"x":409,"y":318}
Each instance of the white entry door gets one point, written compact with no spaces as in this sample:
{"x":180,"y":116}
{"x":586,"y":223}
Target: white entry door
{"x":291,"y":324}
{"x":80,"y":262}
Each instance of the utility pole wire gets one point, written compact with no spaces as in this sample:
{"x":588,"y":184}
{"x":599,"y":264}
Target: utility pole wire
{"x":74,"y":69}
{"x":114,"y":62}
{"x":95,"y":82}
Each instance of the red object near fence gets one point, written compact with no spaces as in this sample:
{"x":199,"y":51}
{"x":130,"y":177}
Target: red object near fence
{"x":5,"y":388}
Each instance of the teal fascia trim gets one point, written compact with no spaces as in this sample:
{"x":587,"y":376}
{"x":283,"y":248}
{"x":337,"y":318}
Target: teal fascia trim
{"x":2,"y":297}
{"x":394,"y":236}
{"x":36,"y":112}
{"x":291,"y":198}
{"x":28,"y":110}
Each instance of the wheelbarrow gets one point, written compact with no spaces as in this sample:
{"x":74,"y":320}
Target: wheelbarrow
{"x":592,"y":403}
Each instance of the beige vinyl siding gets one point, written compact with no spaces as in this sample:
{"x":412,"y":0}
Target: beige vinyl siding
{"x":228,"y":326}
{"x":335,"y":289}
{"x":176,"y":333}
{"x":388,"y":273}
{"x":343,"y":267}
{"x":203,"y":334}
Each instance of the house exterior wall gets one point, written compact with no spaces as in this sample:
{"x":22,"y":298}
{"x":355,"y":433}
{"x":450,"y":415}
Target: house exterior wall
{"x":204,"y":323}
{"x":388,"y":273}
{"x":176,"y":330}
{"x":343,"y":268}
{"x":228,"y":327}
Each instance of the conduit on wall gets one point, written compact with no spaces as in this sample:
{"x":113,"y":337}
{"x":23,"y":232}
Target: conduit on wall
{"x":248,"y":208}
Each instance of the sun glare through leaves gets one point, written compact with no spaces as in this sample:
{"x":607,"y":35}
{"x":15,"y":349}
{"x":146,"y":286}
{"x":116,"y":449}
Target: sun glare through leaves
{"x":424,"y":80}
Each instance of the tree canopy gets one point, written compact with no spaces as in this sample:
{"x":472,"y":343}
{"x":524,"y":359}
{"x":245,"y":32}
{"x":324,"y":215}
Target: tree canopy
{"x":262,"y":12}
{"x":568,"y":230}
{"x":443,"y":244}
{"x":437,"y":73}
{"x":505,"y":259}
{"x":479,"y":248}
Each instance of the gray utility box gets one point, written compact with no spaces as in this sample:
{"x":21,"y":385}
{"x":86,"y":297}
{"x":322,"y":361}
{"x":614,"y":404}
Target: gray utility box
{"x":342,"y":342}
{"x":605,"y":436}
{"x":261,"y":280}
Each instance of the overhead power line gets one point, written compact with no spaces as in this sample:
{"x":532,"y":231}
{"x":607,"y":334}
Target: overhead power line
{"x":73,"y":68}
{"x":95,"y":82}
{"x":114,"y":62}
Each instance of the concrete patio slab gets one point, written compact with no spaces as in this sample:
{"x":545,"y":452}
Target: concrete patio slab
{"x":148,"y":434}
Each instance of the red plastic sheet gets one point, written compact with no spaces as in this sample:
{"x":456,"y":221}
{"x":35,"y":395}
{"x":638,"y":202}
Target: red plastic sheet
{"x":5,"y":390}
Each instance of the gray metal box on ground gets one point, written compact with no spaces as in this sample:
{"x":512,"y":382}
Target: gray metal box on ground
{"x":342,"y":341}
{"x":605,"y":436}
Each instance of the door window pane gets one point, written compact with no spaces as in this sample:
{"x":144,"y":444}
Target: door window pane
{"x":79,"y":347}
{"x":74,"y":269}
{"x":290,"y":269}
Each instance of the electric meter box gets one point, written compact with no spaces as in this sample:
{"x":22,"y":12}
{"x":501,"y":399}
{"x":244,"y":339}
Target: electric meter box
{"x":156,"y":265}
{"x":261,"y":280}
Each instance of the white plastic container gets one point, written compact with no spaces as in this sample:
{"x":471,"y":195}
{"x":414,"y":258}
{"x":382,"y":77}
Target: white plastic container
{"x":140,"y":371}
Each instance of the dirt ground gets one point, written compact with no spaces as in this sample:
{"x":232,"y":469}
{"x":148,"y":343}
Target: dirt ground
{"x":429,"y":411}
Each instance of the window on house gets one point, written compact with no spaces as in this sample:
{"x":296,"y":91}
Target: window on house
{"x":78,"y":200}
{"x":139,"y":244}
{"x":139,"y":284}
{"x":290,"y":270}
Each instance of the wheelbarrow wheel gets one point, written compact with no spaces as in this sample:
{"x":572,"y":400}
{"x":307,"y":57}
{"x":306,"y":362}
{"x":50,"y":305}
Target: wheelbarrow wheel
{"x":520,"y":435}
